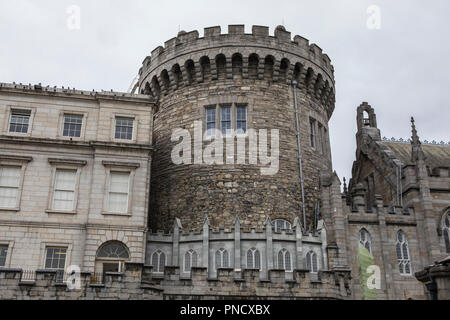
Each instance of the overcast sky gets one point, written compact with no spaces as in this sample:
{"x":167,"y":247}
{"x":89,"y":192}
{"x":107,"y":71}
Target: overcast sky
{"x":401,"y":69}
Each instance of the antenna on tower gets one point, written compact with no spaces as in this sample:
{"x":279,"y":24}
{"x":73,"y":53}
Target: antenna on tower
{"x":133,"y":84}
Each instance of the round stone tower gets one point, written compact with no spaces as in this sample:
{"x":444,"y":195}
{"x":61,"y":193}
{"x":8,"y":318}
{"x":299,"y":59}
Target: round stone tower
{"x":240,"y":84}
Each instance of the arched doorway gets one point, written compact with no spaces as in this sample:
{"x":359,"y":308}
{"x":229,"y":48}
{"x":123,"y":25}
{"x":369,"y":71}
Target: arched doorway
{"x":111,"y":257}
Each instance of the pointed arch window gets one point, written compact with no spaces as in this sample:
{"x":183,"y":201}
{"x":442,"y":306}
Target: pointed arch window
{"x":403,"y":257}
{"x":284,"y":260}
{"x":222,"y":259}
{"x":311,"y":262}
{"x":446,"y":231}
{"x":190,"y":260}
{"x":158,"y":261}
{"x":365,"y":239}
{"x":253,"y":259}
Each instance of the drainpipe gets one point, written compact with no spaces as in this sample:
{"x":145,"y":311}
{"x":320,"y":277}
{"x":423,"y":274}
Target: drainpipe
{"x":300,"y":161}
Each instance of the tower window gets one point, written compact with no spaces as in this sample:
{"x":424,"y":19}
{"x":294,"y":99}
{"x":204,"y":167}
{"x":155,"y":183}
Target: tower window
{"x":312,"y":132}
{"x":210,"y":121}
{"x":226,"y":120}
{"x":241,"y":119}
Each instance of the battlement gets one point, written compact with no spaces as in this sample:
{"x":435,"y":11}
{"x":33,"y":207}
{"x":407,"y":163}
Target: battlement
{"x":189,"y":59}
{"x":140,"y":282}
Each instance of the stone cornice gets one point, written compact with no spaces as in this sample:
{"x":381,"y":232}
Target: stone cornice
{"x":68,"y":143}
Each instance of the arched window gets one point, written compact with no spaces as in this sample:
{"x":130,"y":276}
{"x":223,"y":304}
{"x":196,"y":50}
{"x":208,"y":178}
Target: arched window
{"x":404,"y":260}
{"x":311,"y":262}
{"x":281,"y":224}
{"x":158,"y":261}
{"x":253,"y":65}
{"x":236,"y":61}
{"x":177,"y":75}
{"x":284,"y":260}
{"x":253,"y":259}
{"x":221,"y":65}
{"x":205,"y":65}
{"x":113,"y":250}
{"x":222,"y":259}
{"x":190,"y":71}
{"x":446,"y":231}
{"x":268,"y":67}
{"x":365,"y":239}
{"x":165,"y":80}
{"x":190,"y":260}
{"x":284,"y":69}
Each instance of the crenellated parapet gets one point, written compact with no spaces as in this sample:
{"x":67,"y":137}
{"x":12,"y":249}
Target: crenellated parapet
{"x":138,"y":282}
{"x":188,"y":59}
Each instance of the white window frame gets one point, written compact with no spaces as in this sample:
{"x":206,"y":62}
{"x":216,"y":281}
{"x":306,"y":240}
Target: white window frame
{"x":212,"y":134}
{"x":403,"y":261}
{"x":286,"y":225}
{"x":158,"y":253}
{"x":218,"y":119}
{"x":19,"y":162}
{"x":10,"y":110}
{"x":222,"y":254}
{"x":252,"y":252}
{"x":121,"y":167}
{"x":236,"y":106}
{"x":66,"y":245}
{"x":113,"y":127}
{"x":191,"y":253}
{"x":309,"y":261}
{"x":64,"y":164}
{"x":62,"y":115}
{"x":285,"y":253}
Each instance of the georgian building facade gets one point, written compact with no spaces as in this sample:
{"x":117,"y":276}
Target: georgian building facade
{"x":74,"y":170}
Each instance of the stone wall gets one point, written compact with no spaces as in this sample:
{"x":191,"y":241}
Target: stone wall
{"x":138,"y":283}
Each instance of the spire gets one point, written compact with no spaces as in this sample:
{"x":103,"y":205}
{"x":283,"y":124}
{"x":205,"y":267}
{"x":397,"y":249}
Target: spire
{"x":417,"y":152}
{"x":345,"y":186}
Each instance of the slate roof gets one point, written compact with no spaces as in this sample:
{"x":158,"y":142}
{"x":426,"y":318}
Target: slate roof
{"x":437,"y":156}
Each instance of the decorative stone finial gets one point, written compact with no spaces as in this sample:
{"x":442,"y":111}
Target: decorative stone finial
{"x":417,"y":152}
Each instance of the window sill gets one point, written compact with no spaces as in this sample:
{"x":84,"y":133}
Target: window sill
{"x":123,"y":140}
{"x":10,"y":209}
{"x":17,"y":134}
{"x":127,"y":215}
{"x":49,"y":211}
